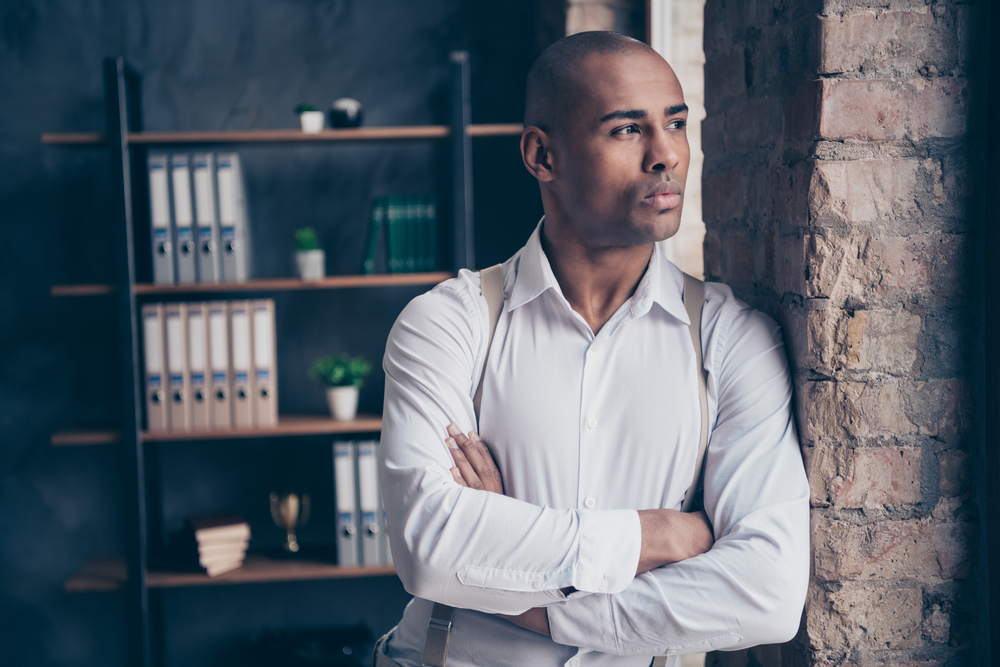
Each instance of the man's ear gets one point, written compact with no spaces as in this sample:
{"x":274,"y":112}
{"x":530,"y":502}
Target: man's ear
{"x":536,"y":152}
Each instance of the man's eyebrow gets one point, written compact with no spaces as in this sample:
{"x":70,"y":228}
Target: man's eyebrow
{"x":676,"y":109}
{"x":632,"y":114}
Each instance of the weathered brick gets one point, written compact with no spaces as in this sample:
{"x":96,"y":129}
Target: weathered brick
{"x":871,"y":39}
{"x":884,"y":109}
{"x":724,"y":195}
{"x":802,"y":111}
{"x":918,"y":263}
{"x":954,"y":473}
{"x":923,"y":550}
{"x":840,"y":267}
{"x":863,"y":190}
{"x":866,"y":477}
{"x":789,"y":189}
{"x":737,"y":257}
{"x":889,"y":408}
{"x":937,"y":625}
{"x":712,"y":247}
{"x":724,"y":77}
{"x":789,"y":272}
{"x":755,"y":123}
{"x":863,"y":619}
{"x":872,"y":340}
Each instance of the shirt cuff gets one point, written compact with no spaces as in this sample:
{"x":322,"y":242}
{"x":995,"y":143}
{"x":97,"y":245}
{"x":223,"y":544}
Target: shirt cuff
{"x":586,"y":623}
{"x":610,"y":543}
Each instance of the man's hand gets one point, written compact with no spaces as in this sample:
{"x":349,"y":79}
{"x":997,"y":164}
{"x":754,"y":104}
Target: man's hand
{"x":475,"y":466}
{"x":536,"y":620}
{"x":669,"y":536}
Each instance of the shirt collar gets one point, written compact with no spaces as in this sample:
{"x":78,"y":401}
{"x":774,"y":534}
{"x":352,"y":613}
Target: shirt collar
{"x":662,"y":284}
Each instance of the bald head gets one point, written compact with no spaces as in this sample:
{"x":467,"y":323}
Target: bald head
{"x":554,"y":80}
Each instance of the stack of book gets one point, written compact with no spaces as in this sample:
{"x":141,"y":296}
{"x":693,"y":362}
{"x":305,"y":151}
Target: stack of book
{"x":221,"y":541}
{"x":410,"y":231}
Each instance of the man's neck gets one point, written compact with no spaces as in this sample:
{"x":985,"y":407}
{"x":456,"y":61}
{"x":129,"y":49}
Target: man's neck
{"x":595,"y":281}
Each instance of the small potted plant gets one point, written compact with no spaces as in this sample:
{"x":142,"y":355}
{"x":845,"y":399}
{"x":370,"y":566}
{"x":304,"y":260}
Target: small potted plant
{"x":310,"y":119}
{"x":343,"y":376}
{"x":310,"y":260}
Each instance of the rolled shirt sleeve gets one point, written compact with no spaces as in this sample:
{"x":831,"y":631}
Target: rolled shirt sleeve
{"x":749,"y":589}
{"x":460,"y":546}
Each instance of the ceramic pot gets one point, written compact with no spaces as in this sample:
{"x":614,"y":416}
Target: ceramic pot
{"x":312,"y":121}
{"x":311,"y":264}
{"x":343,"y":402}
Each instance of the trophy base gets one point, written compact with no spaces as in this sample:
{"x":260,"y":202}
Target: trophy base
{"x":306,"y":552}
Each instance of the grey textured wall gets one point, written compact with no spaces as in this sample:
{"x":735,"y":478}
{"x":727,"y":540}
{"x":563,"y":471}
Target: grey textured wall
{"x":200,"y":60}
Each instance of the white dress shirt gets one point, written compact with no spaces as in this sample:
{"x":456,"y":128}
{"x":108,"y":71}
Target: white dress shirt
{"x":586,"y":429}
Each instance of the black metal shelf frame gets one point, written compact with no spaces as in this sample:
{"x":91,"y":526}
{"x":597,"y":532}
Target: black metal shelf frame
{"x":122,"y":92}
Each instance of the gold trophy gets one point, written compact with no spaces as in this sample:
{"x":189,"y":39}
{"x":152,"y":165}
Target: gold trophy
{"x":290,"y":512}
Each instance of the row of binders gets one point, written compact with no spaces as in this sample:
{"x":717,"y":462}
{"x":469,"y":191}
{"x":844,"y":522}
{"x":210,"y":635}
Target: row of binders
{"x":198,"y":216}
{"x":210,"y":366}
{"x":362,"y":538}
{"x":409,"y":225}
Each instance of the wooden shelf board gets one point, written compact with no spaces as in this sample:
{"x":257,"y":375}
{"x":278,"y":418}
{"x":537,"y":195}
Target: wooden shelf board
{"x":266,"y":284}
{"x":108,"y":574}
{"x":86,"y":436}
{"x":280,"y":284}
{"x":287,"y":425}
{"x":81,"y":290}
{"x":285,"y":136}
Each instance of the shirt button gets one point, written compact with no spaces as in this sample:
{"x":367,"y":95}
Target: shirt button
{"x":590,"y":502}
{"x":537,"y":583}
{"x":575,"y":662}
{"x":591,"y":423}
{"x":602,"y":585}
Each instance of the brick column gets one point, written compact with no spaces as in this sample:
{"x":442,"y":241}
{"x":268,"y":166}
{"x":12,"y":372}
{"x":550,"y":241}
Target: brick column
{"x":835,"y":200}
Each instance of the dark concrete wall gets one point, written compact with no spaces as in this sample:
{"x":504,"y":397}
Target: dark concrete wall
{"x":200,"y":60}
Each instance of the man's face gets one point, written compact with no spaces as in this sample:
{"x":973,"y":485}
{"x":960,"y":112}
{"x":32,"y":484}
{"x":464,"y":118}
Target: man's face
{"x":624,"y":151}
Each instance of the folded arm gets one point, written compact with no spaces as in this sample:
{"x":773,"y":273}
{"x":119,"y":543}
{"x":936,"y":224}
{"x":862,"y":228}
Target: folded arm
{"x":465,"y":547}
{"x":750,"y":587}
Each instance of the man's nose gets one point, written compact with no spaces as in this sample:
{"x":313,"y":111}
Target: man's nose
{"x":661,"y":155}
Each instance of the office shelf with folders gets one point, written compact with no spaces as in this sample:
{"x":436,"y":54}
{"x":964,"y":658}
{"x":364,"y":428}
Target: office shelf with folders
{"x":181,"y":154}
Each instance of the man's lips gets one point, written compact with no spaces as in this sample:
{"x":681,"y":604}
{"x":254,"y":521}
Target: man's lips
{"x":665,"y":195}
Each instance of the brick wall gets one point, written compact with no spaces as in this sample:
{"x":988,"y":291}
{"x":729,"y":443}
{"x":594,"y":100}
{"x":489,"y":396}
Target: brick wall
{"x":835,"y":197}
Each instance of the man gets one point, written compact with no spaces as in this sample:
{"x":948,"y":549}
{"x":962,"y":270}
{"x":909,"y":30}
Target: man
{"x":556,"y":535}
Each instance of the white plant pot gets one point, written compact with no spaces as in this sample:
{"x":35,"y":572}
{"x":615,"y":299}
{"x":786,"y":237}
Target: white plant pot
{"x":311,"y":264}
{"x":312,"y":121}
{"x":343,"y":402}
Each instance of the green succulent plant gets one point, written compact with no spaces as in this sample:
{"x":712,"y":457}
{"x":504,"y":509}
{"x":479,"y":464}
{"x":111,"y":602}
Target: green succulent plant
{"x":340,"y":370}
{"x":306,"y":239}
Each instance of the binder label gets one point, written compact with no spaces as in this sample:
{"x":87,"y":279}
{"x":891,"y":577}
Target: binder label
{"x":160,"y":234}
{"x":241,"y":377}
{"x":176,"y":380}
{"x":228,"y":233}
{"x":198,"y":379}
{"x":219,"y":378}
{"x":262,"y":375}
{"x":184,"y":234}
{"x":153,"y":380}
{"x":205,"y":233}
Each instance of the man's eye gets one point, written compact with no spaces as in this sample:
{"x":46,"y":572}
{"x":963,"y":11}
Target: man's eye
{"x":678,"y":124}
{"x":628,"y":129}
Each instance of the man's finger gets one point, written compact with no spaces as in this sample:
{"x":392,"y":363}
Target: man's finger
{"x":457,"y":474}
{"x":490,"y":473}
{"x":468,"y":473}
{"x":482,"y":463}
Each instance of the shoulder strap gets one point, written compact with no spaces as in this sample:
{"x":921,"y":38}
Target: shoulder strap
{"x":694,"y":301}
{"x":492,"y":279}
{"x":439,"y":626}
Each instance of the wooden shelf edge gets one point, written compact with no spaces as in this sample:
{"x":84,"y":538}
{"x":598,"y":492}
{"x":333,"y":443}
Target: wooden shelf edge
{"x":81,"y":290}
{"x":266,"y":284}
{"x":285,"y":136}
{"x":287,"y":425}
{"x":110,"y":573}
{"x":85,"y":436}
{"x":294,"y":284}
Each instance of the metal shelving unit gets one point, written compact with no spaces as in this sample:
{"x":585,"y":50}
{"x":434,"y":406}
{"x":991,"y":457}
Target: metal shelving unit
{"x":126,"y":142}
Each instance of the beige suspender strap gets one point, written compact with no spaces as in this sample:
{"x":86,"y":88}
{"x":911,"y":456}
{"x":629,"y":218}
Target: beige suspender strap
{"x":694,"y":301}
{"x":659,"y":661}
{"x":439,"y":627}
{"x":438,"y":635}
{"x":492,"y":280}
